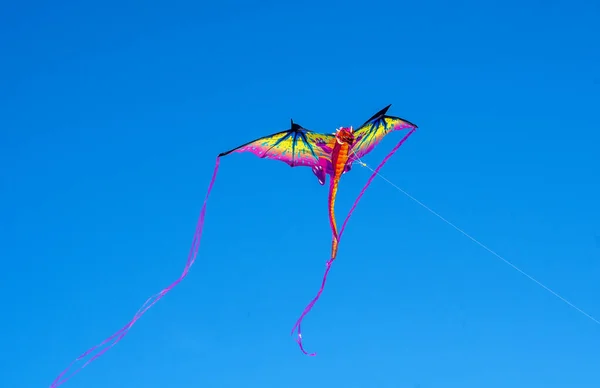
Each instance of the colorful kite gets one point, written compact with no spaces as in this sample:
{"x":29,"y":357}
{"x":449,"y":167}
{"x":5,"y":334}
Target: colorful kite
{"x":326,"y":154}
{"x":331,"y":155}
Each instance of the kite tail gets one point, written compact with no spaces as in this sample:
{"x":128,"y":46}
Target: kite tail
{"x":111,"y":341}
{"x":333,"y":188}
{"x":340,"y":161}
{"x":309,"y":307}
{"x":339,"y":237}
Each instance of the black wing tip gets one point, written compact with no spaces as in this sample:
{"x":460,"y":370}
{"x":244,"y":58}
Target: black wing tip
{"x":227,"y":152}
{"x":379,"y":114}
{"x":382,"y":113}
{"x":295,"y":127}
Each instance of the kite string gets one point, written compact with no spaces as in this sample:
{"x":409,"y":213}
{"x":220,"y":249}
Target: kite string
{"x":147,"y":305}
{"x":339,"y":237}
{"x":506,"y":261}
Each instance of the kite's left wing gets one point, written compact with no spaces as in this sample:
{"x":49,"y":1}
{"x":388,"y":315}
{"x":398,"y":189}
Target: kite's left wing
{"x":373,"y":131}
{"x":296,"y":146}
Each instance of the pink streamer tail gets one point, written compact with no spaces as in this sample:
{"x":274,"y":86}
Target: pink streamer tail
{"x":339,"y":237}
{"x":111,"y":341}
{"x":309,"y":307}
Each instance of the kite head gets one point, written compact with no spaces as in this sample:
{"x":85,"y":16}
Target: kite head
{"x":344,"y":135}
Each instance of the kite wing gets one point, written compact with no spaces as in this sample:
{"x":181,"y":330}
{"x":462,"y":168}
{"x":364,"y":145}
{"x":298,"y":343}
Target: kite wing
{"x":373,"y":131}
{"x":297,"y":146}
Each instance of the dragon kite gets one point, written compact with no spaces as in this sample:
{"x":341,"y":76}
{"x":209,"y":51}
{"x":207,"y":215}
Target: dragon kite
{"x":327,"y":154}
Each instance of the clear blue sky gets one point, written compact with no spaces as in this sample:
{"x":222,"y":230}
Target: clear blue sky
{"x":111,"y":116}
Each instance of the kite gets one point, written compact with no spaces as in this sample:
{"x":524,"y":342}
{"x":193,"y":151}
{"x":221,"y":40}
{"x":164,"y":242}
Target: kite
{"x":327,"y":154}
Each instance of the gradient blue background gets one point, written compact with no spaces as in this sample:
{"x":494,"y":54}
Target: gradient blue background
{"x":111,"y":115}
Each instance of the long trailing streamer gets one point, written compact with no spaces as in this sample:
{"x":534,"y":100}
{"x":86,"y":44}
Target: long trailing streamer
{"x":111,"y":341}
{"x":339,"y":237}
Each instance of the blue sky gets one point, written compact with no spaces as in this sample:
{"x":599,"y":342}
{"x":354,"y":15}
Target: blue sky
{"x":111,"y":115}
